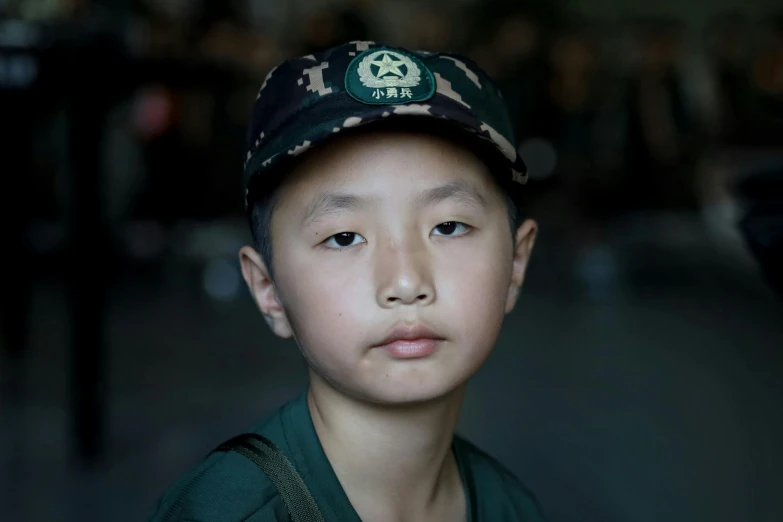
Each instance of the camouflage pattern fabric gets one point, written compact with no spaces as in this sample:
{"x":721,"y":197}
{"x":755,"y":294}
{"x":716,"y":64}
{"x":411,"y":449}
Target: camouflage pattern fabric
{"x":306,"y":100}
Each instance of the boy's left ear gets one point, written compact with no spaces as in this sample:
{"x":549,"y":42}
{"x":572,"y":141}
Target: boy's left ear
{"x":524,"y":239}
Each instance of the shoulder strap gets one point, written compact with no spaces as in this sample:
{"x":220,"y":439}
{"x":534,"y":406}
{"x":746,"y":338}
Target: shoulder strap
{"x":262,"y":452}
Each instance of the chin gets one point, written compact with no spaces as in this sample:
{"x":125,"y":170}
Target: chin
{"x":410,"y":395}
{"x":379,"y":380}
{"x":407,"y":386}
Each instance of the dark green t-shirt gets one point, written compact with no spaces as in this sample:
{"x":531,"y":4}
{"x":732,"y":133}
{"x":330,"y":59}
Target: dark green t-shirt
{"x":227,"y":487}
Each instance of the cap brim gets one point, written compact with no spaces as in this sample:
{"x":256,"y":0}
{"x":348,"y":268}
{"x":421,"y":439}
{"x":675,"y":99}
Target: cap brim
{"x":439,"y":115}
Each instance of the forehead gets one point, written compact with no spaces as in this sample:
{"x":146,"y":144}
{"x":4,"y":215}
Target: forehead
{"x":384,"y":161}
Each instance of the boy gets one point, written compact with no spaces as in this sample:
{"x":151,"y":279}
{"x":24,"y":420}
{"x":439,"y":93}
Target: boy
{"x":390,"y":251}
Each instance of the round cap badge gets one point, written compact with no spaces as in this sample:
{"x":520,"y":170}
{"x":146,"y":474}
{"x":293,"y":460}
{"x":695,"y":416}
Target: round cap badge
{"x":383,"y":76}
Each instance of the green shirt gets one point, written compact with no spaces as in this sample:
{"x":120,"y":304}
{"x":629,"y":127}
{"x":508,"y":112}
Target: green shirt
{"x":227,"y":487}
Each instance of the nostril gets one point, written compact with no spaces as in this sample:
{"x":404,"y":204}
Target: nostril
{"x":422,"y":297}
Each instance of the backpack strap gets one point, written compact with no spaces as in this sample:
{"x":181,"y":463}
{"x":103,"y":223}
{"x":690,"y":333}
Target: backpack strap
{"x":264,"y":454}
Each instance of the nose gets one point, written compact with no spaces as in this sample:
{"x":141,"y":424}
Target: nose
{"x":404,"y":275}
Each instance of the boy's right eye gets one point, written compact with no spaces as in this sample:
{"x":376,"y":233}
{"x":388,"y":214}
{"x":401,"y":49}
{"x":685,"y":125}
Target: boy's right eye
{"x":344,"y":240}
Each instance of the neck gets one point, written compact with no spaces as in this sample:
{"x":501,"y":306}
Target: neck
{"x":395,"y":461}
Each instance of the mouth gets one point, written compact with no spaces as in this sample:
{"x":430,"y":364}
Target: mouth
{"x":410,"y":342}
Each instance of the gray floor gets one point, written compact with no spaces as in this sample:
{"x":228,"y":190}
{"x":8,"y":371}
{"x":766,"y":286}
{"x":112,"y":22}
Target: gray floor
{"x":639,"y":381}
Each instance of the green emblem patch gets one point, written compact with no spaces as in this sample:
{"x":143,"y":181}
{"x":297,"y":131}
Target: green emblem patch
{"x":383,"y":76}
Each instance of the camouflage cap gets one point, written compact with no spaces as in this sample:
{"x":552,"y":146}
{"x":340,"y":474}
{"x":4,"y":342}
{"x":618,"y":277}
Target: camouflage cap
{"x":307,"y":100}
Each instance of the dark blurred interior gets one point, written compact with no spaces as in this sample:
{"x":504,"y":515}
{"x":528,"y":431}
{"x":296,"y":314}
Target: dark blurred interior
{"x":641,"y":376}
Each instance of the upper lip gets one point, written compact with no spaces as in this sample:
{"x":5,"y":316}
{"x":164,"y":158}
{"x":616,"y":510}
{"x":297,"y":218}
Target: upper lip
{"x":409,"y":333}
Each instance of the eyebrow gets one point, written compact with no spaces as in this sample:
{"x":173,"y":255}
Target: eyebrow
{"x":330,"y":203}
{"x":459,"y":191}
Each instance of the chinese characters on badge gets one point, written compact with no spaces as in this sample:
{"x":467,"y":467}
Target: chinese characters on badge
{"x":392,"y":92}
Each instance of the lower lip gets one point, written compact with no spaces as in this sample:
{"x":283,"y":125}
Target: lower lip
{"x":411,"y":349}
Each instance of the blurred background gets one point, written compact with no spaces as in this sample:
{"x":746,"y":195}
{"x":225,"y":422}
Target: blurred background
{"x":641,"y":376}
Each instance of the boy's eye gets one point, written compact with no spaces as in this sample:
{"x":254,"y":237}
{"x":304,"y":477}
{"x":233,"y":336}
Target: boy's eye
{"x":451,"y":228}
{"x":343,"y":240}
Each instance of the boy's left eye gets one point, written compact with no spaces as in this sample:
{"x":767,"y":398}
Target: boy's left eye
{"x":451,"y":228}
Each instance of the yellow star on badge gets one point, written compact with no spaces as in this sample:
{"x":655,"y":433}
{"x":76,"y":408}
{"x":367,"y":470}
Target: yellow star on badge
{"x":387,"y":65}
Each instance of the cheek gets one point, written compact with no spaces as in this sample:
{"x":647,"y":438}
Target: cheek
{"x":473,"y":287}
{"x":326,"y":308}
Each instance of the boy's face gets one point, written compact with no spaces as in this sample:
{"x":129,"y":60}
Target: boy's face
{"x":384,"y":233}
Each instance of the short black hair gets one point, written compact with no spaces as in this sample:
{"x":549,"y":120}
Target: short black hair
{"x":262,"y":205}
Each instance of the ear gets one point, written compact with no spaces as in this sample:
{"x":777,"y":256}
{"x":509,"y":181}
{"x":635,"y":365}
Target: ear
{"x":263,"y":290}
{"x":524,"y":240}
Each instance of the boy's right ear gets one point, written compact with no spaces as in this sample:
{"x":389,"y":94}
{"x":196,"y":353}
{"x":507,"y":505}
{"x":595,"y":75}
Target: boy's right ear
{"x":263,"y":290}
